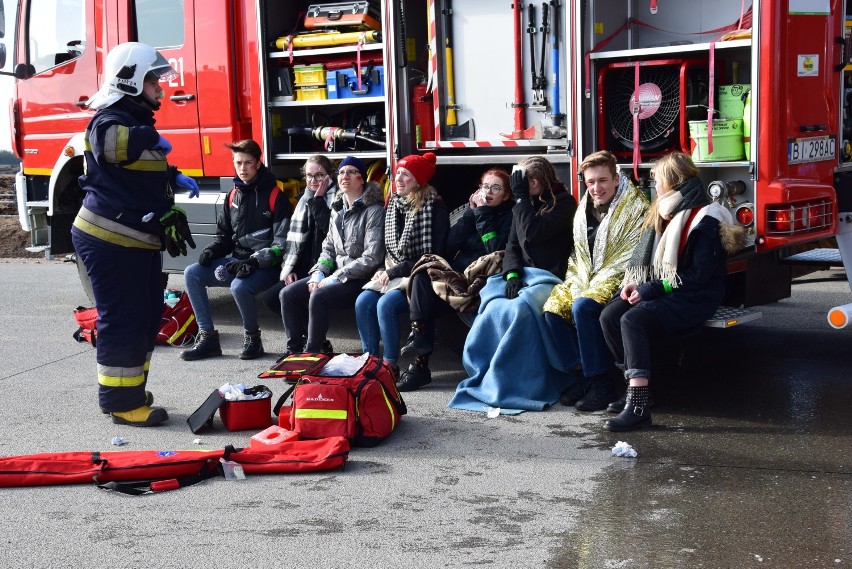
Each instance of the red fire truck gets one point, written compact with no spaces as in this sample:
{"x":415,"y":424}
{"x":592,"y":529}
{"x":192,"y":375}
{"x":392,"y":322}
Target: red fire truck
{"x":758,"y":91}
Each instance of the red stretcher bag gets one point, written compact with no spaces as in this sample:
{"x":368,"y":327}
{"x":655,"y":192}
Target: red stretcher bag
{"x":147,"y":471}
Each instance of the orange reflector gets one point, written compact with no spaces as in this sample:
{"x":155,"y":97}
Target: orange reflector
{"x":730,"y":323}
{"x":69,"y":151}
{"x":837,"y":318}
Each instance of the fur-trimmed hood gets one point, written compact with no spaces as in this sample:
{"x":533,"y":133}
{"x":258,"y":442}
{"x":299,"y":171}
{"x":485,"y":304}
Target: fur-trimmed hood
{"x":372,"y":195}
{"x":732,"y":236}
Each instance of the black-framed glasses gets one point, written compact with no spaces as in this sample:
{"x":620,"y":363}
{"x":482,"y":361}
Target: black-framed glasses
{"x":315,"y":177}
{"x":494,"y":188}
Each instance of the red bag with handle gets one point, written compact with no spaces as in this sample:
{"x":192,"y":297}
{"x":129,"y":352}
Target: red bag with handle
{"x":179,"y":326}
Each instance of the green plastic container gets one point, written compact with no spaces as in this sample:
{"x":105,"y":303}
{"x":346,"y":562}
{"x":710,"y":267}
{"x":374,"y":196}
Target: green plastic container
{"x":727,"y":140}
{"x":747,"y":125}
{"x":731,"y":100}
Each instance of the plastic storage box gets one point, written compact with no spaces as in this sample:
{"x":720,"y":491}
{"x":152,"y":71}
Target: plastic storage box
{"x":309,"y":75}
{"x":343,"y":84}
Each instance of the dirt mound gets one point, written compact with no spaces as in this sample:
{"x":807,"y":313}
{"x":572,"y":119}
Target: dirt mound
{"x":13,"y":239}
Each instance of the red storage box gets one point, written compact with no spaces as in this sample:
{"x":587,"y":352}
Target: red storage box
{"x":361,"y":15}
{"x":247,"y":414}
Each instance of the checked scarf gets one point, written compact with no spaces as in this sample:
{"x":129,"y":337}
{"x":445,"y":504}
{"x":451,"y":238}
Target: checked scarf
{"x":300,"y":230}
{"x":408,"y":235}
{"x":655,"y":256}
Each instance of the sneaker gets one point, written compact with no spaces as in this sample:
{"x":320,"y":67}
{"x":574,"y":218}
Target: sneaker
{"x":599,"y":395}
{"x":414,"y":378}
{"x":149,"y":400}
{"x":206,"y":346}
{"x":143,"y":416}
{"x":252,"y":346}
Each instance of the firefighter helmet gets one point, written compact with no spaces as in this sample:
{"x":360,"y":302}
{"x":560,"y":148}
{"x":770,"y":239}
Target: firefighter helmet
{"x":125,"y":69}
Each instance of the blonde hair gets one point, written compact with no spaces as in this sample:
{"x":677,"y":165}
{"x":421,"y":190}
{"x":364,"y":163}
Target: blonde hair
{"x":419,"y":195}
{"x":539,"y":168}
{"x":673,"y":170}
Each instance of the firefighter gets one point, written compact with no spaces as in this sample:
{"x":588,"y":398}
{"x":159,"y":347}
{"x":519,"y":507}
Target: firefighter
{"x":128,"y":217}
{"x":244,"y":255}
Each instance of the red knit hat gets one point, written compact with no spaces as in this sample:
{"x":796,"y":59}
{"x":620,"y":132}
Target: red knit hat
{"x":421,"y":167}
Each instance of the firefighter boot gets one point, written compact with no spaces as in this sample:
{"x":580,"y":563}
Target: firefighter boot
{"x":636,"y":413}
{"x":206,"y":345}
{"x":149,"y":400}
{"x":252,"y":346}
{"x":144,"y":416}
{"x":418,"y":343}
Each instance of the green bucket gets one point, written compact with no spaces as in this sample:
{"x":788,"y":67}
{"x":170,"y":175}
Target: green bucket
{"x":731,"y":100}
{"x":727,"y":140}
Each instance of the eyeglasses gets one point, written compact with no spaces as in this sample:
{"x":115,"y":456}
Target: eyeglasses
{"x":494,"y":189}
{"x":315,"y":177}
{"x":349,"y":173}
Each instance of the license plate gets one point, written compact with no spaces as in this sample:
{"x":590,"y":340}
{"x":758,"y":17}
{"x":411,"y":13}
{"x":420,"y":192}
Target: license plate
{"x":813,"y":149}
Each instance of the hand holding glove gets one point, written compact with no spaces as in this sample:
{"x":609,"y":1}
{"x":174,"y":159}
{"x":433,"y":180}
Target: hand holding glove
{"x":177,"y":231}
{"x":513,"y":287}
{"x":205,"y":258}
{"x":242,"y":269}
{"x":519,"y":184}
{"x":185,"y":181}
{"x":163,"y":145}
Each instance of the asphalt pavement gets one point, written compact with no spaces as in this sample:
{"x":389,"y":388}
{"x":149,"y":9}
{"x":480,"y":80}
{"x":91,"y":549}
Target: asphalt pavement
{"x":748,"y":463}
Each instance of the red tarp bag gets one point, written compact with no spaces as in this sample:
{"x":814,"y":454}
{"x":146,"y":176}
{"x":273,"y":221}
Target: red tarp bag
{"x":87,"y":319}
{"x":178,"y":327}
{"x":147,"y":471}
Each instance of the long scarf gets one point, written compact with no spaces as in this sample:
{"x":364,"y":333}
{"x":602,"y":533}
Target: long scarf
{"x":414,"y":238}
{"x":300,"y":230}
{"x":655,"y":256}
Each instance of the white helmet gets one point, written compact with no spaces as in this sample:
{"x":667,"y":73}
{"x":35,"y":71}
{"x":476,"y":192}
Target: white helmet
{"x":125,"y":69}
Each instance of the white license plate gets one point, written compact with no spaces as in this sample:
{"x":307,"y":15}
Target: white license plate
{"x":813,"y":149}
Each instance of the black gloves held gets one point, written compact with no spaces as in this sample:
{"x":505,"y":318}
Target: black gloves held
{"x":513,"y":287}
{"x":519,"y":184}
{"x":242,"y":269}
{"x":205,"y":258}
{"x":177,"y":231}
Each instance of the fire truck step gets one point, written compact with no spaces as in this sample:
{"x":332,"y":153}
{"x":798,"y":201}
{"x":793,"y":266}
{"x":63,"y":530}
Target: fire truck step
{"x":727,"y":316}
{"x":824,"y":256}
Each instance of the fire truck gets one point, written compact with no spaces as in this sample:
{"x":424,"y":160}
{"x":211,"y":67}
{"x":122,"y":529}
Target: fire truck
{"x":757,"y":91}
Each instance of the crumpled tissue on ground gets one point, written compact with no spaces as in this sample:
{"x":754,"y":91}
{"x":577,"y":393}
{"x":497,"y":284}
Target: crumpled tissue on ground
{"x":621,"y":448}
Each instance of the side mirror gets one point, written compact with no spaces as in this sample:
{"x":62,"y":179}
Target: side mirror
{"x":24,"y":71}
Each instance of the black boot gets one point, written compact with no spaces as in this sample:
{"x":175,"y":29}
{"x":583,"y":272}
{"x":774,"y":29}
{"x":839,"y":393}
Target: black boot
{"x":418,"y":343}
{"x":636,"y":413}
{"x":601,"y":392}
{"x":618,"y":406}
{"x":206,"y":345}
{"x":575,"y":391}
{"x":416,"y":376}
{"x":252,"y":346}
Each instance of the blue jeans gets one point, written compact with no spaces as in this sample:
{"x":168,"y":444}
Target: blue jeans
{"x":198,"y":278}
{"x":584,"y":342}
{"x":377,"y":316}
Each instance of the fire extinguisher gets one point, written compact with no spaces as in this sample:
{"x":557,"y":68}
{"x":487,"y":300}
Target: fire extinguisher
{"x":422,"y":114}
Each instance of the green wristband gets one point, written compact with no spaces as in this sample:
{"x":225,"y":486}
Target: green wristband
{"x":329,"y":264}
{"x":512,"y":275}
{"x":489,"y":236}
{"x":667,"y":286}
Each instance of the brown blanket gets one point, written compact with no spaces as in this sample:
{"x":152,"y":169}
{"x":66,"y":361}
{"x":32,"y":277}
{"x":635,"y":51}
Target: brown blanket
{"x":459,"y":290}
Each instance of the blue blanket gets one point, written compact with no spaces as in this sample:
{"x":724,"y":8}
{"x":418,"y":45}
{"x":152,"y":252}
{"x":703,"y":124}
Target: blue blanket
{"x":509,"y":355}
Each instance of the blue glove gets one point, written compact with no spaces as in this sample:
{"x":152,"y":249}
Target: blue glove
{"x":185,"y":181}
{"x":163,"y":145}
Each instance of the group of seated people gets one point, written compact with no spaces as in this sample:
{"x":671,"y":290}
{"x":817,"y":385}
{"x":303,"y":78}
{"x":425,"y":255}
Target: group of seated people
{"x":550,"y":285}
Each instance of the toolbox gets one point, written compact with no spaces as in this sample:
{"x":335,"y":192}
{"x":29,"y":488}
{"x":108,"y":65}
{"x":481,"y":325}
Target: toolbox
{"x":343,"y":84}
{"x":362,"y":15}
{"x":309,"y":75}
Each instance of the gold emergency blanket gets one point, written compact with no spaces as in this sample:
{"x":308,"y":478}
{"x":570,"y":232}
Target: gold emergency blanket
{"x":615,"y":240}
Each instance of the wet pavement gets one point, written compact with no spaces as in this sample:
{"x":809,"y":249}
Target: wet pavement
{"x":747,"y":465}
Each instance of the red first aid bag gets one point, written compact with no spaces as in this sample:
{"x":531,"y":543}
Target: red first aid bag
{"x":87,"y":319}
{"x":179,"y":326}
{"x":364,"y":407}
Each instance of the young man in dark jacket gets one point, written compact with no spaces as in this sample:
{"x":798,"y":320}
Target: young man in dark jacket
{"x":245,"y":254}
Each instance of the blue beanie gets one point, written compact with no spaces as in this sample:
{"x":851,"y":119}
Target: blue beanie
{"x":355,"y":163}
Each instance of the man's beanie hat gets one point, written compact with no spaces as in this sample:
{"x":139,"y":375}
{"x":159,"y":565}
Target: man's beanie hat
{"x":355,"y":163}
{"x":421,"y":167}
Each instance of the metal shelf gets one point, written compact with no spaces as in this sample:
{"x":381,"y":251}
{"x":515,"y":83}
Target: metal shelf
{"x":371,"y":154}
{"x":669,"y":49}
{"x":325,"y":51}
{"x":327,"y":102}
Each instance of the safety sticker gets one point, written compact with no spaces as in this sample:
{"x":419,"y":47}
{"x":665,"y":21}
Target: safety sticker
{"x":808,"y":65}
